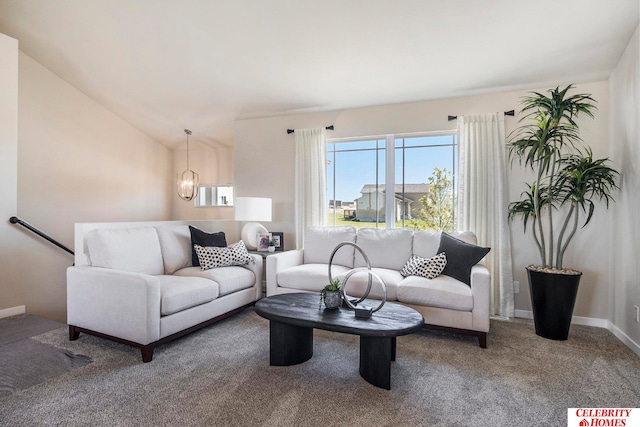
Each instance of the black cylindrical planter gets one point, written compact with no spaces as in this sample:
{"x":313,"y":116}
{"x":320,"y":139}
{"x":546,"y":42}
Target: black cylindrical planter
{"x":553,"y":297}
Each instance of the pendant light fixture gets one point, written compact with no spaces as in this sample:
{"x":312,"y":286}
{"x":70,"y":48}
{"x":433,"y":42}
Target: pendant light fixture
{"x":187,"y":181}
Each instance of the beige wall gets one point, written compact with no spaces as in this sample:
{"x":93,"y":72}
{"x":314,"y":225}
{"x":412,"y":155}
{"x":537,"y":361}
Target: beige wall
{"x":625,"y":152}
{"x":67,"y":159}
{"x":77,"y":162}
{"x":265,"y":142}
{"x":11,"y":291}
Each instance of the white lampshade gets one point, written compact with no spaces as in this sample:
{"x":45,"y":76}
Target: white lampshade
{"x":252,"y":209}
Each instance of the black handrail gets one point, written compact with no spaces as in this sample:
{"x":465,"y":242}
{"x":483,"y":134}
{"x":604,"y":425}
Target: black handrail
{"x":16,"y":220}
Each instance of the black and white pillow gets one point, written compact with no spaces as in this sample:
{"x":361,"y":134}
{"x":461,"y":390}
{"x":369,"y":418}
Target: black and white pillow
{"x":212,"y":256}
{"x":199,"y":237}
{"x":425,"y":267}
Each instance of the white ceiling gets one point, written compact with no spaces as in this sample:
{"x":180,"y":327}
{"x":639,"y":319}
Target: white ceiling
{"x":164,"y":65}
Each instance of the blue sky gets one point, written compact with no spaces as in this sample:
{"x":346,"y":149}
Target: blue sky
{"x":357,"y":168}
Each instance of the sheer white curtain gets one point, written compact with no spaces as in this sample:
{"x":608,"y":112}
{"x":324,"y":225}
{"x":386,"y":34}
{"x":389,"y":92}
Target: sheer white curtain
{"x":311,"y":181}
{"x":483,"y":200}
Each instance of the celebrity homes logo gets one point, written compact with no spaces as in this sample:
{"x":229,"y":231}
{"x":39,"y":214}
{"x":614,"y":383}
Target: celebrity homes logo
{"x":603,"y":417}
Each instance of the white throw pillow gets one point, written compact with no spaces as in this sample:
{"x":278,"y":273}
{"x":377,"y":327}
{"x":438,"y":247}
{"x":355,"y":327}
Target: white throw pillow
{"x":212,"y":256}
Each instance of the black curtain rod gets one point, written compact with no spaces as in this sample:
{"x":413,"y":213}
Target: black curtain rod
{"x":506,"y":113}
{"x":327,"y":128}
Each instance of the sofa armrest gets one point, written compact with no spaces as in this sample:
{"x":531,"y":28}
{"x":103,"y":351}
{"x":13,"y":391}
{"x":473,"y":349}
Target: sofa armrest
{"x":481,"y":290}
{"x":114,"y":302}
{"x":256,"y":267}
{"x":279,"y":262}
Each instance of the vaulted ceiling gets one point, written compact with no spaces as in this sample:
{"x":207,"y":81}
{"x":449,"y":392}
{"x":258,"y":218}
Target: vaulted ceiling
{"x":164,"y":65}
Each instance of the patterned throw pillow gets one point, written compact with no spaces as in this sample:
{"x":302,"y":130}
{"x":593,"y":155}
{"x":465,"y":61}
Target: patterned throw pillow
{"x":425,"y":267}
{"x":212,"y":256}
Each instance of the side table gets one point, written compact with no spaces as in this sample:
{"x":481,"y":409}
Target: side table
{"x":264,"y":255}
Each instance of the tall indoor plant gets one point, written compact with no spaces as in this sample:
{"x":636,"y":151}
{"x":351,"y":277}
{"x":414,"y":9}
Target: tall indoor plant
{"x":568,"y":182}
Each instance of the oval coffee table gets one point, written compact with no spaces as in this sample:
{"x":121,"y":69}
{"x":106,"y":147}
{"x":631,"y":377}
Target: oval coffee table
{"x":292,"y":318}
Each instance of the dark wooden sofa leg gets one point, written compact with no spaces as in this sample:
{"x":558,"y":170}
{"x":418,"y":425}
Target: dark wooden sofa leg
{"x":147,"y":353}
{"x":73,"y":334}
{"x":482,"y":339}
{"x":482,"y":336}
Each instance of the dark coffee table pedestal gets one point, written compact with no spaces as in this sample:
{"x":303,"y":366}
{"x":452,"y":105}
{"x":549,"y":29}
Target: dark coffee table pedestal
{"x":288,"y":344}
{"x":376,"y":355}
{"x":294,"y":316}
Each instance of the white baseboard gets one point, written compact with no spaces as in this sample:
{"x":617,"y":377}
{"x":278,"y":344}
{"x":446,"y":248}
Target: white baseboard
{"x":634,"y":346}
{"x":13,"y":311}
{"x":599,"y":323}
{"x":524,"y":314}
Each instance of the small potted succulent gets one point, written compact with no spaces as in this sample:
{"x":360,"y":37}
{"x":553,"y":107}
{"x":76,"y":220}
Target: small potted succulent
{"x":272,"y":246}
{"x":331,"y":295}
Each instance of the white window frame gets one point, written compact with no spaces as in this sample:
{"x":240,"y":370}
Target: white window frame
{"x":390,"y":171}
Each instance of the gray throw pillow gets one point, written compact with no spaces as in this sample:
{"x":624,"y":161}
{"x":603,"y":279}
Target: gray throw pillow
{"x":461,"y":256}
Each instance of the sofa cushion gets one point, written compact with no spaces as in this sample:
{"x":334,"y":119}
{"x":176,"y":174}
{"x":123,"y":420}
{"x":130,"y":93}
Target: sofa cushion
{"x":357,"y":283}
{"x":229,"y":279}
{"x":461,"y":256}
{"x":442,"y":292}
{"x":199,"y":237}
{"x":212,"y":257}
{"x":175,"y":245}
{"x":319,"y":243}
{"x":181,"y":293}
{"x":130,"y":249}
{"x":309,"y":277}
{"x":425,"y":243}
{"x":385,"y":248}
{"x":425,"y":267}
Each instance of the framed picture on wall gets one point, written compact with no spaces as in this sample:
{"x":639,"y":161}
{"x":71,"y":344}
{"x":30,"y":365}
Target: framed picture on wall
{"x":263,"y":241}
{"x":278,"y":240}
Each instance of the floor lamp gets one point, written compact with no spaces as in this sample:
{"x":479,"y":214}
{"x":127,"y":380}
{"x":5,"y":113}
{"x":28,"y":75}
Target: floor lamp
{"x":252,"y":209}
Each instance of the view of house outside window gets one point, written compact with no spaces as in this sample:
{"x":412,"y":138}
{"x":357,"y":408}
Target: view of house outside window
{"x":420,"y":173}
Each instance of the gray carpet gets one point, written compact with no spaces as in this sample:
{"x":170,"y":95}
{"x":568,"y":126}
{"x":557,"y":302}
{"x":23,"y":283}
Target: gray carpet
{"x":23,"y":326}
{"x":25,"y":362}
{"x":221,"y":376}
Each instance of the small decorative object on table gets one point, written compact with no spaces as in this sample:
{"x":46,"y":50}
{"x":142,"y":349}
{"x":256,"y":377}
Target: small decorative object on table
{"x":272,"y":246}
{"x":278,"y":240}
{"x":363,"y":311}
{"x":331,"y":295}
{"x":263,"y":240}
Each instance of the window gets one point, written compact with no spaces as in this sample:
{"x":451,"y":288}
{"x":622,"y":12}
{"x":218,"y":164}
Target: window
{"x":395,"y":181}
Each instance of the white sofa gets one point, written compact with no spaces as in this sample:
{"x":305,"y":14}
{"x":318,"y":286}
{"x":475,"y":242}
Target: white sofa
{"x":137,"y":285}
{"x":446,"y":303}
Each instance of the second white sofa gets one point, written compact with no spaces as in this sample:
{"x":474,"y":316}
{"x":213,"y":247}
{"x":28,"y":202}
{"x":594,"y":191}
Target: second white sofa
{"x":459,"y":305}
{"x":139,"y":286}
